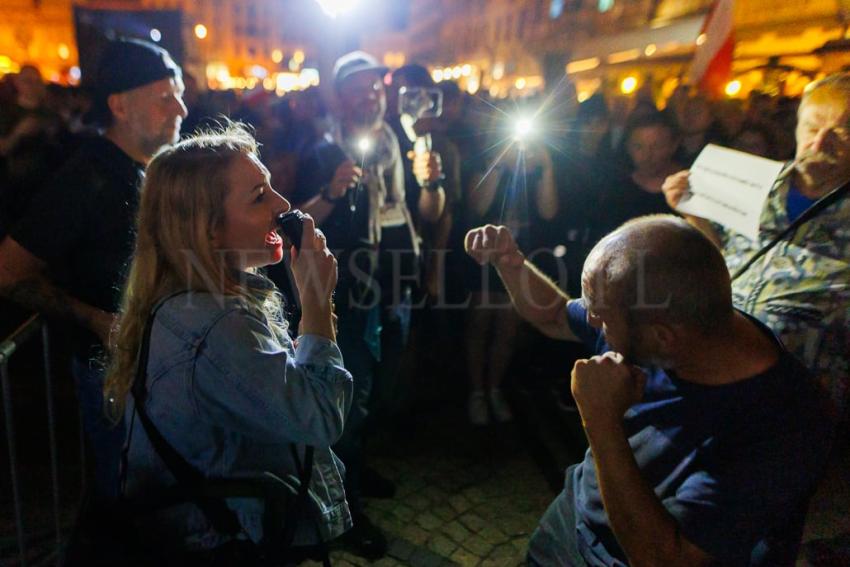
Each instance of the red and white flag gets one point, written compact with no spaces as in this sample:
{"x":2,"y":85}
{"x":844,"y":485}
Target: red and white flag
{"x":712,"y":64}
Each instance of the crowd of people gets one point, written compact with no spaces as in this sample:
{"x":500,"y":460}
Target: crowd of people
{"x":140,"y":216}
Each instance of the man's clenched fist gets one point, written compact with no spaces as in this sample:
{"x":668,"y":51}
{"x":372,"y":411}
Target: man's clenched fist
{"x":493,"y":244}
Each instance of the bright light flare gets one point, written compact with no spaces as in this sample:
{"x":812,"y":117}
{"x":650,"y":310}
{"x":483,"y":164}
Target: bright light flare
{"x":200,"y":31}
{"x":156,"y":35}
{"x":733,"y":88}
{"x":334,"y":8}
{"x":364,"y":145}
{"x":629,"y":85}
{"x":523,"y":129}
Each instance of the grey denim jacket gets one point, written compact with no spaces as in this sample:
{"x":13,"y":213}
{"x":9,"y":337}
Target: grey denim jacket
{"x":230,"y":393}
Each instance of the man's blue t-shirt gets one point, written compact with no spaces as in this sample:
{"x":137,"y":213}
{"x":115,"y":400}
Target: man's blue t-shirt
{"x":733,"y":464}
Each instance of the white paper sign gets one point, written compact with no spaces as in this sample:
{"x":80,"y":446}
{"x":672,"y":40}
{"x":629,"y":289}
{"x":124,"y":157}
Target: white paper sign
{"x":730,"y":187}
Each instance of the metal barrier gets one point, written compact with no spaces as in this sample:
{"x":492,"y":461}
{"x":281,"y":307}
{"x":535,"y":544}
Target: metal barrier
{"x":27,"y":331}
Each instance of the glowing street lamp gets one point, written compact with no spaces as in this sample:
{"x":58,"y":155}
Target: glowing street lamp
{"x":200,"y":31}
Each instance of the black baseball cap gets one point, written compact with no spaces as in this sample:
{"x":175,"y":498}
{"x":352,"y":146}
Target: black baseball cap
{"x":124,"y":65}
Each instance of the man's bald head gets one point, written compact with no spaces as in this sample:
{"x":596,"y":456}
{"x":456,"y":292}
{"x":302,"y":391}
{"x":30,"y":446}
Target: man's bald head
{"x":660,"y":269}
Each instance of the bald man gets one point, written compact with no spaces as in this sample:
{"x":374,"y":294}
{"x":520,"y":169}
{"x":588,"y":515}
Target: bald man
{"x":706,"y":435}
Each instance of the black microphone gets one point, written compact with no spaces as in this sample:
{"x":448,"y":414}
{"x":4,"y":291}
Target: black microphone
{"x":291,"y":224}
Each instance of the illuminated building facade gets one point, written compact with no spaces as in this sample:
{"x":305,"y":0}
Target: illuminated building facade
{"x":506,"y":47}
{"x":514,"y":47}
{"x":38,"y":32}
{"x":780,"y":46}
{"x":238,"y":43}
{"x":233,"y":43}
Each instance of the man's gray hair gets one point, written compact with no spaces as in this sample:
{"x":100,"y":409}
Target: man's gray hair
{"x":832,"y":87}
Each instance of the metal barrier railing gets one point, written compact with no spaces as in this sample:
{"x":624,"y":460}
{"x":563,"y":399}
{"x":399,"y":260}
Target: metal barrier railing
{"x":27,"y":331}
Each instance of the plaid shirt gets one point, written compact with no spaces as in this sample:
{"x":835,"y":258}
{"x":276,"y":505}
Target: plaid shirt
{"x":800,"y":288}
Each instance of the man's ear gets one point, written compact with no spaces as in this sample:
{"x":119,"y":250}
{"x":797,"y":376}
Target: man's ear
{"x":664,"y":336}
{"x":117,"y":104}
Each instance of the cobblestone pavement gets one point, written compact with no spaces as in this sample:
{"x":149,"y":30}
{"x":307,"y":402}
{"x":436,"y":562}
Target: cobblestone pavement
{"x":464,"y":496}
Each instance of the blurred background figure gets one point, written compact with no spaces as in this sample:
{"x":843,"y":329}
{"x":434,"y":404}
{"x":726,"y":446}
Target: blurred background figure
{"x":430,"y":328}
{"x":729,"y":115}
{"x":309,"y":116}
{"x":515,"y":189}
{"x":583,"y":171}
{"x":29,"y":144}
{"x":756,"y":138}
{"x":651,"y":141}
{"x":698,"y":126}
{"x":353,"y":184}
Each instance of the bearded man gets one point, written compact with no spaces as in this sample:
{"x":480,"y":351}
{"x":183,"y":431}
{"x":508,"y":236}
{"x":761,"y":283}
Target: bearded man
{"x":800,"y":288}
{"x":353,"y":184}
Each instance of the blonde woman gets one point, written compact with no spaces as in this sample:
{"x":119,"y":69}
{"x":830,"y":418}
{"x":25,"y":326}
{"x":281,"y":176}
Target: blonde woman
{"x":225,"y":386}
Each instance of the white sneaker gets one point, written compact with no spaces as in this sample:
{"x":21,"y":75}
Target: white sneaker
{"x":500,"y":407}
{"x":478,"y":412}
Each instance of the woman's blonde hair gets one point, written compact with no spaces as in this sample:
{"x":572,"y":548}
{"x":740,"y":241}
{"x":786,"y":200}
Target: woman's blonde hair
{"x":181,"y":208}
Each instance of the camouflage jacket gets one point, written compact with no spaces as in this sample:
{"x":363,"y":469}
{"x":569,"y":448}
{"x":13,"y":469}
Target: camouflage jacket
{"x":800,"y":288}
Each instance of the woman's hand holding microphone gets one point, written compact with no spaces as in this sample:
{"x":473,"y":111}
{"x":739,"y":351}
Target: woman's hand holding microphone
{"x":314,"y":268}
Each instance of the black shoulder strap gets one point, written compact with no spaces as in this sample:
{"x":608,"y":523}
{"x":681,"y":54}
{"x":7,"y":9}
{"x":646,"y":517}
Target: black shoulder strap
{"x":807,"y":215}
{"x":304,"y":473}
{"x":189,"y":479}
